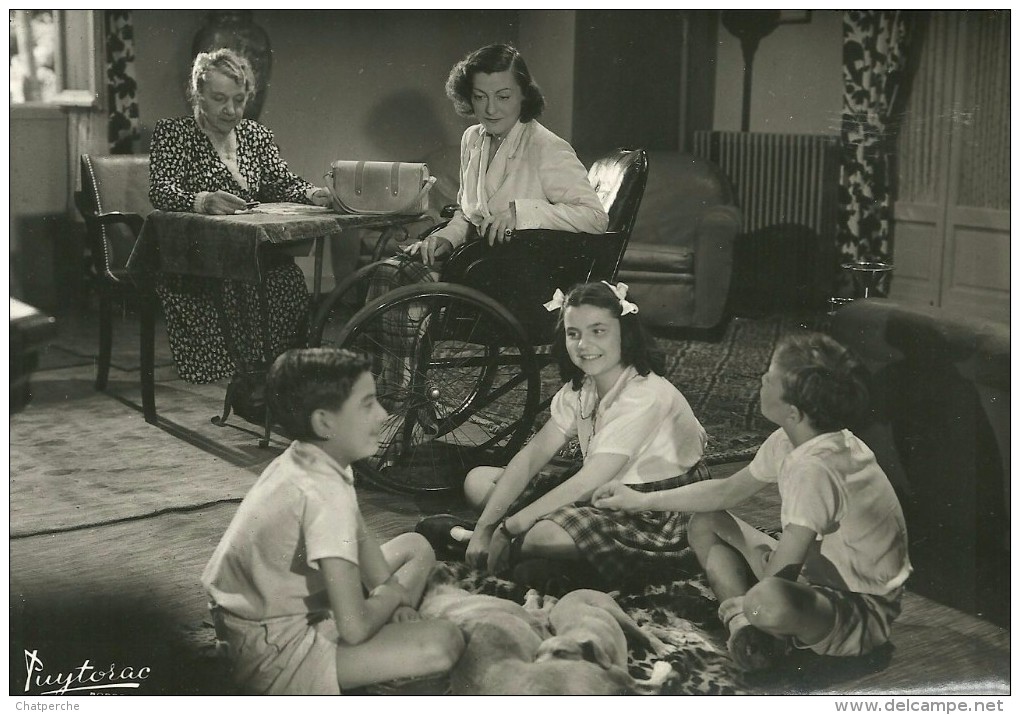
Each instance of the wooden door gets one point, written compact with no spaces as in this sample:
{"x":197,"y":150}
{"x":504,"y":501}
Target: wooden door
{"x":951,"y":218}
{"x":636,"y":83}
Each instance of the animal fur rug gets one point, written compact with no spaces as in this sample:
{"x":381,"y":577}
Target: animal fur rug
{"x":682,"y":613}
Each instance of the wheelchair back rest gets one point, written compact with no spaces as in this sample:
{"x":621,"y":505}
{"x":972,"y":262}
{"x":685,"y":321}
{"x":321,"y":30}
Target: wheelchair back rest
{"x":522,"y":274}
{"x":114,"y":183}
{"x":619,"y":179}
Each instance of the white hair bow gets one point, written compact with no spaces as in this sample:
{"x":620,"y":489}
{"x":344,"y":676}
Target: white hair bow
{"x":620,"y":291}
{"x":557,"y":301}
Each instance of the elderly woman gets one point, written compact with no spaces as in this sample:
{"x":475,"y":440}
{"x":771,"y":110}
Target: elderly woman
{"x":514,"y":174}
{"x":214,"y":162}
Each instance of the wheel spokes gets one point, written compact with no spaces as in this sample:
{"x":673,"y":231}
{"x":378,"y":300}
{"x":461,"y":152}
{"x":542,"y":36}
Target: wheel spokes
{"x":455,"y":386}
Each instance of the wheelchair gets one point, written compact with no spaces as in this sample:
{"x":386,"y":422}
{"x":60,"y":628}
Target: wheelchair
{"x":459,"y":362}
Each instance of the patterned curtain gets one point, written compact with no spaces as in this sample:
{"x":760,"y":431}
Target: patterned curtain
{"x":124,"y":133}
{"x":874,"y":59}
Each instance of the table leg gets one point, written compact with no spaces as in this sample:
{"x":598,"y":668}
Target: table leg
{"x":148,"y":354}
{"x":320,"y":244}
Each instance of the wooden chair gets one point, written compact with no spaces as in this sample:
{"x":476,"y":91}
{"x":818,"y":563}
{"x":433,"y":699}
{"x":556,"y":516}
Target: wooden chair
{"x":114,"y":201}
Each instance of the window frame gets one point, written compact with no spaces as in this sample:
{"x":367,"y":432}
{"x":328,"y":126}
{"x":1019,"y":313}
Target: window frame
{"x":89,"y":57}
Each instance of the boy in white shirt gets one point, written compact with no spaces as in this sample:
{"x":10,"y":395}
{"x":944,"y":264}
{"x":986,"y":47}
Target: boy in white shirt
{"x":834,"y":580}
{"x":306,"y":599}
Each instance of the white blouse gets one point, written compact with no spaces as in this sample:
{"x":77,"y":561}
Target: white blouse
{"x":645,"y":419}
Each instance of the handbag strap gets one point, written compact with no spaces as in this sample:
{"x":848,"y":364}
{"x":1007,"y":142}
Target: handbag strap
{"x":359,"y":178}
{"x":359,"y":172}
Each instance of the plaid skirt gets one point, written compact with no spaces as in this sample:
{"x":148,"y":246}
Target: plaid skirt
{"x":620,"y":545}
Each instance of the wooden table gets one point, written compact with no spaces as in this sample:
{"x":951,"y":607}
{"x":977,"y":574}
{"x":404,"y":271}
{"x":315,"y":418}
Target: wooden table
{"x":234,"y":247}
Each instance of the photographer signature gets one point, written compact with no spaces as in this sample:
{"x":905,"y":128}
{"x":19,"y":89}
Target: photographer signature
{"x":83,"y":678}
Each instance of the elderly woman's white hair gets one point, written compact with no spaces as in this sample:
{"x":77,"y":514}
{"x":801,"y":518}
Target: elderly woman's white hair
{"x":225,"y":61}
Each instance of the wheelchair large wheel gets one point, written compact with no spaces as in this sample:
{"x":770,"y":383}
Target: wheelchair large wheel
{"x":455,"y":371}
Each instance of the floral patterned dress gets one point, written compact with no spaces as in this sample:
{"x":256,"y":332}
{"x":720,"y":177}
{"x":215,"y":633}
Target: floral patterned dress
{"x":183,"y":163}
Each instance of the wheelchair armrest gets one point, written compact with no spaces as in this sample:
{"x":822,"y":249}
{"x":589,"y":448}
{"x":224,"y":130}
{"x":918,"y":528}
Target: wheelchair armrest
{"x":564,"y":243}
{"x":559,"y":251}
{"x":432,"y":229}
{"x":523,"y":273}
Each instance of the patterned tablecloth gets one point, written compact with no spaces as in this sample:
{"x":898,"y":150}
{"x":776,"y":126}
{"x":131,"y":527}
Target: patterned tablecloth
{"x":231,"y":247}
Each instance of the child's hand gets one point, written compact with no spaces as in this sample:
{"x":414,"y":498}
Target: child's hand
{"x":499,"y":553}
{"x":618,"y":497}
{"x":478,"y":547}
{"x":405,"y":614}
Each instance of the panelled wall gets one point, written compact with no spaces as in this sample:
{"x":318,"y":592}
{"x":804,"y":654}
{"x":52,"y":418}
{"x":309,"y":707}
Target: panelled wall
{"x":951,"y":231}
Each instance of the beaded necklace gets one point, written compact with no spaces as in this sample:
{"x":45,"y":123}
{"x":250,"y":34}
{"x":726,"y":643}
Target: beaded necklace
{"x":593,"y":415}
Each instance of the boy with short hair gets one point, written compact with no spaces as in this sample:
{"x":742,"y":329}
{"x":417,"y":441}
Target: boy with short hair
{"x":306,"y":599}
{"x":833,"y":581}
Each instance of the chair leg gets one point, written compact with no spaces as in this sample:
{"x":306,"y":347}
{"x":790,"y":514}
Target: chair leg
{"x":264,"y":442}
{"x":105,"y":339}
{"x":148,"y":356}
{"x":220,"y":420}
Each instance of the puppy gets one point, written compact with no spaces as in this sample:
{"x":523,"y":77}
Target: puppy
{"x":590,"y":625}
{"x":498,"y":660}
{"x":502,"y":639}
{"x":466,"y":609}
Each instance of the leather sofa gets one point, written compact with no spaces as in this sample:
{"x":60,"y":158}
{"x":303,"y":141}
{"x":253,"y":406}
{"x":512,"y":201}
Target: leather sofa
{"x":939,"y":425}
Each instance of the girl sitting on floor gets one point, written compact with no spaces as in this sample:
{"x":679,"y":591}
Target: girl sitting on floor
{"x":633,"y":426}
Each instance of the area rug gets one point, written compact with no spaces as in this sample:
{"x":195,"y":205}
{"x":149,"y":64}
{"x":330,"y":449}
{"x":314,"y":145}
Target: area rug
{"x":721,"y":380}
{"x":80,"y":457}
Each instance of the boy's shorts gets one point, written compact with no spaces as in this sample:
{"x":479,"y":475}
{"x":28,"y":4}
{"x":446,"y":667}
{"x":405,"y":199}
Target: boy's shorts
{"x":292,"y":655}
{"x":863,"y":621}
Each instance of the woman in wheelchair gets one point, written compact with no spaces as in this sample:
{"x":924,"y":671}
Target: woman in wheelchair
{"x":214,"y":162}
{"x":632,"y":425}
{"x":514,"y":173}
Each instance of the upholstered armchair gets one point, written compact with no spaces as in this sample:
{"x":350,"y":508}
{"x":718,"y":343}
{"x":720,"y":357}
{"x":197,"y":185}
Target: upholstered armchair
{"x":680,"y":256}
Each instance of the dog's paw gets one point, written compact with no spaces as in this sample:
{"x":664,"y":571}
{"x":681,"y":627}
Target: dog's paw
{"x":660,"y":672}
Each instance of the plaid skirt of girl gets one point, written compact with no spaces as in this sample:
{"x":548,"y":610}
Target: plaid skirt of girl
{"x":618,"y":545}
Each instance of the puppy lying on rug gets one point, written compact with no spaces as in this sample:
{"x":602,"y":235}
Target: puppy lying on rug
{"x":590,"y":625}
{"x":505,"y":639}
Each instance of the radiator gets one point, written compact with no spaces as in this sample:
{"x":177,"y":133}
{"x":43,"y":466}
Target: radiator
{"x":778,"y":178}
{"x":787,"y":187}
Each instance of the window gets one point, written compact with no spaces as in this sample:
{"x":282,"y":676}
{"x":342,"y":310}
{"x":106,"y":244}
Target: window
{"x":53,"y":58}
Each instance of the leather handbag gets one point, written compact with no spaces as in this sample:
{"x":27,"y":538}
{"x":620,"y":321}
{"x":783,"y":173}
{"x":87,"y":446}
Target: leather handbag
{"x":379,"y":188}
